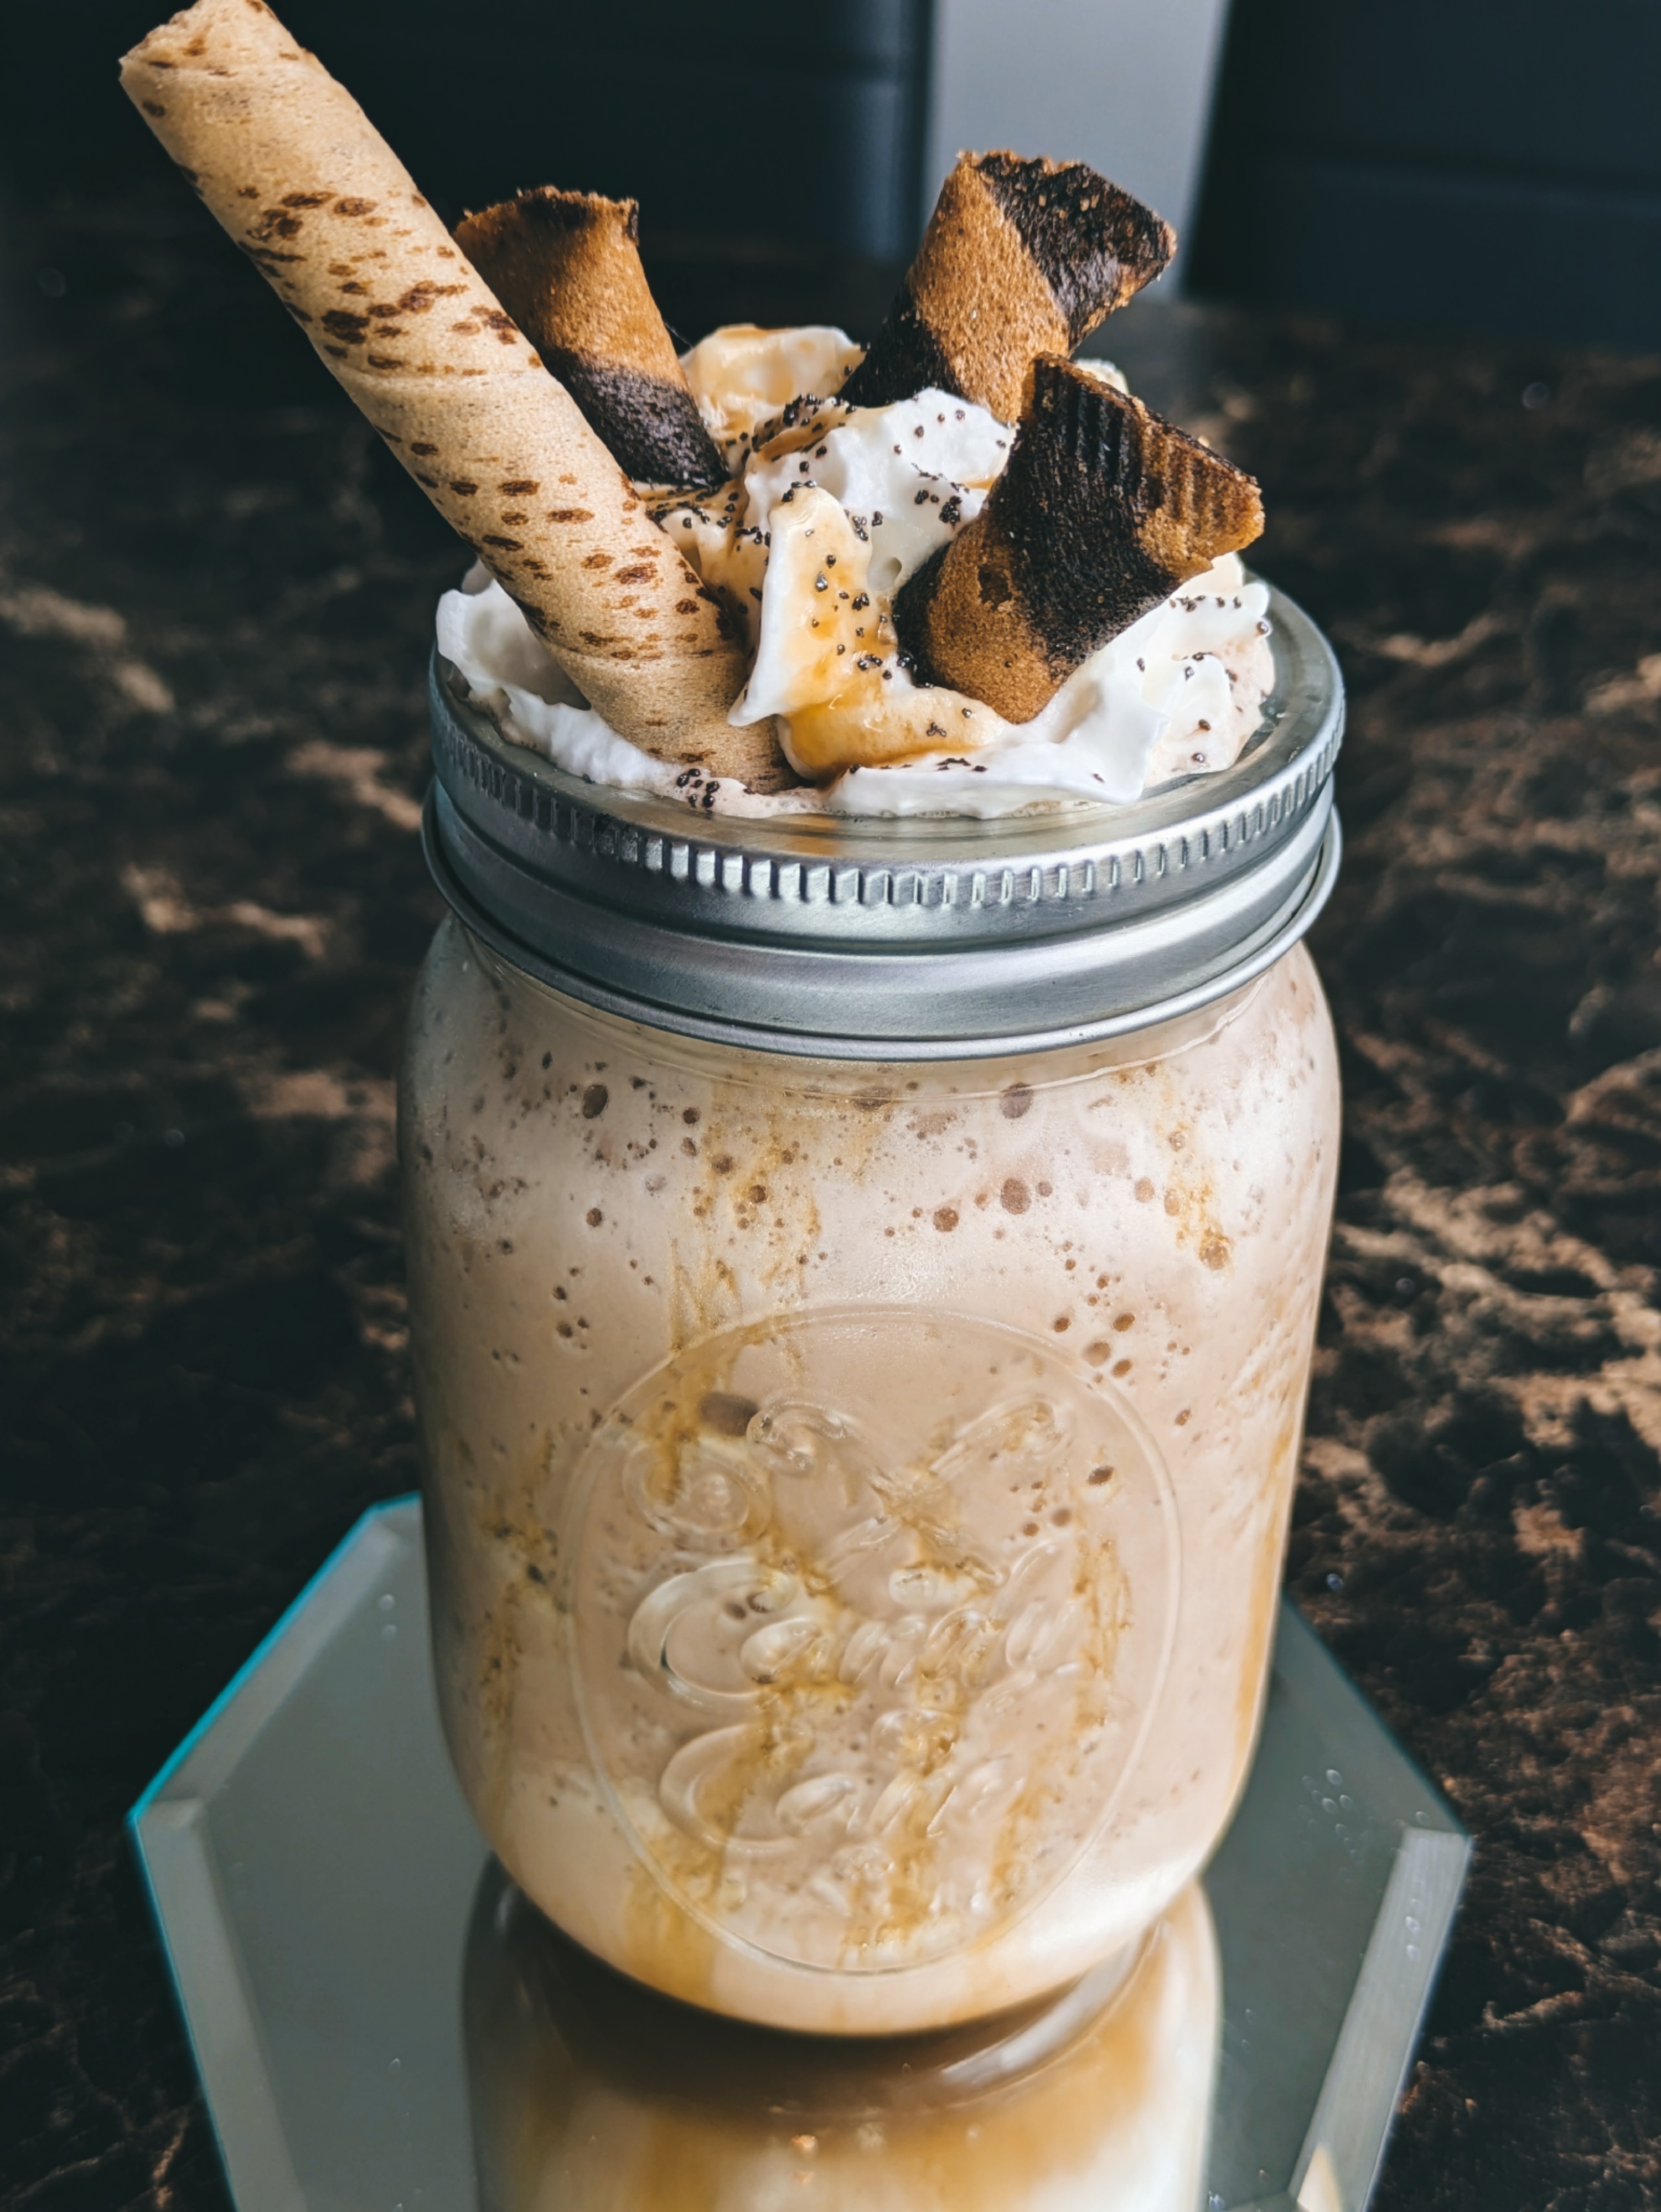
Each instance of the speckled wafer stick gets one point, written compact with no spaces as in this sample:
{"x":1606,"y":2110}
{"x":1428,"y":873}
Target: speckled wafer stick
{"x":1019,"y":259}
{"x":1103,"y":511}
{"x":289,"y":164}
{"x":566,"y":265}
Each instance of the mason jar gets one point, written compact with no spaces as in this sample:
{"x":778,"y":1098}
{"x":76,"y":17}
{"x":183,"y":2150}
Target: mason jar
{"x":863,"y":1276}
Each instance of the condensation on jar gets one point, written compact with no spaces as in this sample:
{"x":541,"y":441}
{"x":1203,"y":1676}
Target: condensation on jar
{"x":856,"y":1492}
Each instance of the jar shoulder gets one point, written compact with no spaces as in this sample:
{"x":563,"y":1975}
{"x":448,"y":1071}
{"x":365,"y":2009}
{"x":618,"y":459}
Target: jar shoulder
{"x":476,"y":1026}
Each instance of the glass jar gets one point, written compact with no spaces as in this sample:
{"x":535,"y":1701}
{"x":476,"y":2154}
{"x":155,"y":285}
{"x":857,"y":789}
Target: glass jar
{"x":863,"y":1279}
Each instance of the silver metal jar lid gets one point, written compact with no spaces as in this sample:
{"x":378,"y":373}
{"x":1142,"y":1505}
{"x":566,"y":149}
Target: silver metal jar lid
{"x":917,"y":939}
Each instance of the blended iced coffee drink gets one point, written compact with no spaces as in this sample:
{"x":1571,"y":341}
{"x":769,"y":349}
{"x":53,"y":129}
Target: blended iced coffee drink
{"x":857,"y":1491}
{"x":869,"y":1127}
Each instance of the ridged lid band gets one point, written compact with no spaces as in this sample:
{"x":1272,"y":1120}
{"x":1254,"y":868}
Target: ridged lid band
{"x":860,"y":939}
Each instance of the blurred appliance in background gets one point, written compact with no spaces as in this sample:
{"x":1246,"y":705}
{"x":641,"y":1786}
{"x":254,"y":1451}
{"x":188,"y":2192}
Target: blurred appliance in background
{"x":755,"y":126}
{"x":759,"y":124}
{"x":749,"y":121}
{"x":753,"y":122}
{"x":1490,"y":163}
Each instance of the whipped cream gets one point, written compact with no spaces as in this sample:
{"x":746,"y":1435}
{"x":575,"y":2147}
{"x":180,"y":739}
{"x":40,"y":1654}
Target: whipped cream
{"x":742,"y":376}
{"x":834,"y":508}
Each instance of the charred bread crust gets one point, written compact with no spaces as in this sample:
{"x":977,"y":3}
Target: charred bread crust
{"x":1103,"y":511}
{"x":652,"y":427}
{"x":569,"y":264}
{"x":1095,"y":245}
{"x":906,"y":357}
{"x":1021,"y":257}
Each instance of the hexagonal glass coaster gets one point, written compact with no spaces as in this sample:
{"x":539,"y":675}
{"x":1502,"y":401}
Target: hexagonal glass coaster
{"x":315,"y":1872}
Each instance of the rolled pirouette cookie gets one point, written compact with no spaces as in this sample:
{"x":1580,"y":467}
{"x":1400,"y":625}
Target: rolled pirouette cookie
{"x":289,"y":163}
{"x":1019,"y":259}
{"x":566,"y":266}
{"x":1101,"y":512}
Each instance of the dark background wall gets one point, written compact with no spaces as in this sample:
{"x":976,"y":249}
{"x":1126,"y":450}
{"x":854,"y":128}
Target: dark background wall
{"x":758,"y":120}
{"x":1492,"y":163}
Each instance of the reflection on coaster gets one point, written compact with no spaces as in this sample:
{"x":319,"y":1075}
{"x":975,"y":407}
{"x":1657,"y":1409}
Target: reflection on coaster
{"x":323,"y":1893}
{"x":591,"y":2095}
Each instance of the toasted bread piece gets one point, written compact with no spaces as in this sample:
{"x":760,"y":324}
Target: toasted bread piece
{"x":1021,"y":257}
{"x":566,"y":266}
{"x":1105,"y":508}
{"x":286,"y":159}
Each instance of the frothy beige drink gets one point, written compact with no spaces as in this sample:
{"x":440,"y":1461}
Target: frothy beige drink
{"x":857,"y":1494}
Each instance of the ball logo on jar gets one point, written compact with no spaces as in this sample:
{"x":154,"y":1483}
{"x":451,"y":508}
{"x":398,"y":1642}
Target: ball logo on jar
{"x":870,"y":1611}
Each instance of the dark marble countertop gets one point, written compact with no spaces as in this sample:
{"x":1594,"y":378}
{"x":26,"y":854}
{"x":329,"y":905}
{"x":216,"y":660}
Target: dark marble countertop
{"x":215,"y":598}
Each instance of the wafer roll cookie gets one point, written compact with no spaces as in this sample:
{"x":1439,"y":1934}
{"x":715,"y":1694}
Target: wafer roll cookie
{"x":1019,"y":259}
{"x":289,"y":164}
{"x":1101,"y":512}
{"x":566,"y":265}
